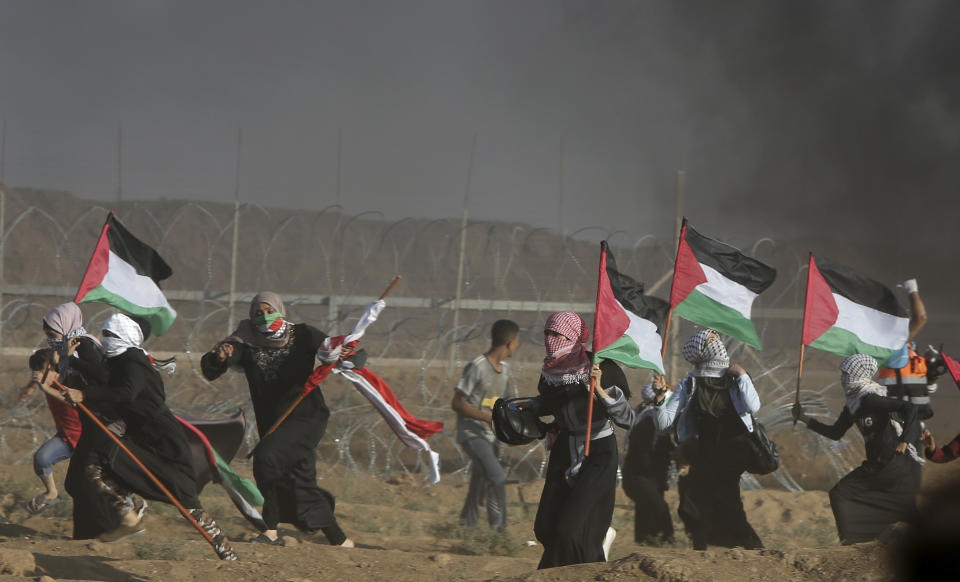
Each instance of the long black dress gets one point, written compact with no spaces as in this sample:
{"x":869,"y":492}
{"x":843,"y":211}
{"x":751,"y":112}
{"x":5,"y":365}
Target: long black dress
{"x":883,"y":490}
{"x":575,"y":511}
{"x":135,"y":395}
{"x":92,"y":514}
{"x":710,"y":504}
{"x":284,"y":464}
{"x":645,"y":475}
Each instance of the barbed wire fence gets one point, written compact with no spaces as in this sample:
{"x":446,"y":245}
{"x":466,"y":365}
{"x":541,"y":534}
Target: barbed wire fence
{"x":328,"y":266}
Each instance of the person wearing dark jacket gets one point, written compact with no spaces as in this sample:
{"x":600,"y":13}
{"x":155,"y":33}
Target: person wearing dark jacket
{"x":134,"y":395}
{"x":576,"y":505}
{"x":646,"y":471}
{"x":882,"y":490}
{"x":712,"y":414}
{"x":277,"y":357}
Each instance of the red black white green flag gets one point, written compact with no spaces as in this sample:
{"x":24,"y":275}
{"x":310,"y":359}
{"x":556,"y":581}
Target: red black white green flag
{"x":626,"y":327}
{"x":715,"y":285}
{"x":846,"y":313}
{"x":125,"y":273}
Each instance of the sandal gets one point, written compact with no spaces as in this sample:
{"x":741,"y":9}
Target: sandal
{"x":41,"y":502}
{"x":263,"y":539}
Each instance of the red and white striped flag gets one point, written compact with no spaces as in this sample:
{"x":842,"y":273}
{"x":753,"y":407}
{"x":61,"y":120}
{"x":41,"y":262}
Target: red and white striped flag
{"x":409,"y":429}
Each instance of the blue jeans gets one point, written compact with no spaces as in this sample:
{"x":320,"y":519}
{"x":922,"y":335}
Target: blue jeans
{"x":49,"y":454}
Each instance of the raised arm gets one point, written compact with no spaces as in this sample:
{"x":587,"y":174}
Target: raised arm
{"x":89,"y":361}
{"x":746,"y":391}
{"x":220,"y":357}
{"x":667,"y":412}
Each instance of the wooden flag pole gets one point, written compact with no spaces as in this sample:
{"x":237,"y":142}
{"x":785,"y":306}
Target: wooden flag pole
{"x":666,"y":331}
{"x":304,"y":394}
{"x":803,"y":326}
{"x":666,"y":334}
{"x":799,"y":376}
{"x":593,"y":390}
{"x":602,"y":265}
{"x":173,"y":500}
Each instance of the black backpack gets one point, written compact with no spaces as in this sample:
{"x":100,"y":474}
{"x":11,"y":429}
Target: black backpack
{"x":515,"y":420}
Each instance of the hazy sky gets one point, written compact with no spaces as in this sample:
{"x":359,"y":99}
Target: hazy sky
{"x":787,"y":116}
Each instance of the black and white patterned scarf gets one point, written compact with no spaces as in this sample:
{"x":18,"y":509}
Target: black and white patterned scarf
{"x":709,"y":358}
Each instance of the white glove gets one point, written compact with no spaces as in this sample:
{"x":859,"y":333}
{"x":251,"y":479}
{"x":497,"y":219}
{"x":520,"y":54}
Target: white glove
{"x":910,"y":285}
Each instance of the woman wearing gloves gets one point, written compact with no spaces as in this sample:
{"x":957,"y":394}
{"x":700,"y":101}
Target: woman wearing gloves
{"x":576,"y":505}
{"x":883,"y":490}
{"x":277,"y":357}
{"x":712,"y":410}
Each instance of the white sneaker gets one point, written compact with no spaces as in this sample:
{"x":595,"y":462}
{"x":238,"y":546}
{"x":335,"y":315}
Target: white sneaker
{"x":608,"y":542}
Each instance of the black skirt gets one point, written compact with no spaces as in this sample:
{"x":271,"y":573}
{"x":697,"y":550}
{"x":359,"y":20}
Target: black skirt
{"x":873,"y":496}
{"x":572,"y":519}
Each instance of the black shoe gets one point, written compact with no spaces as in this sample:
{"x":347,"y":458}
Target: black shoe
{"x":263,"y":539}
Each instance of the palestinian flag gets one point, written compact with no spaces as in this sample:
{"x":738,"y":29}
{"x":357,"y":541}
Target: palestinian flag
{"x":845,"y":313}
{"x":626,"y":326}
{"x":124,"y":272}
{"x":715,"y":285}
{"x":213,"y":444}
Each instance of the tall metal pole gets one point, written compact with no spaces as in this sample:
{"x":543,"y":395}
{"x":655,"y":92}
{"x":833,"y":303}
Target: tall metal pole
{"x":3,"y":151}
{"x":675,"y":329}
{"x":560,"y":171}
{"x":236,"y":234}
{"x":3,"y":222}
{"x":463,"y":250}
{"x":339,"y":160}
{"x":3,"y":246}
{"x":119,"y":162}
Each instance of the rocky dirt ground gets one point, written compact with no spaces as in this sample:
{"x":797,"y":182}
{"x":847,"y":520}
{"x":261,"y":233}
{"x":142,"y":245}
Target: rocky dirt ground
{"x":407,"y":532}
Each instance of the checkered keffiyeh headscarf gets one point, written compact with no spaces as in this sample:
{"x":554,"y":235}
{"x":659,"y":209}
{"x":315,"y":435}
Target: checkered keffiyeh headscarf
{"x":709,"y":358}
{"x":856,"y":376}
{"x":129,"y":335}
{"x":567,"y":361}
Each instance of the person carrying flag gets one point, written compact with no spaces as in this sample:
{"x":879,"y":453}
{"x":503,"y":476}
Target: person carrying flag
{"x":277,"y":356}
{"x":484,"y":379}
{"x":712,"y":414}
{"x":576,"y":505}
{"x":134,"y":394}
{"x":882,"y":490}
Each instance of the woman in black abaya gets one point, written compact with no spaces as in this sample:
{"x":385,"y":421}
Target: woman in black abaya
{"x":134,"y":394}
{"x":882,"y":490}
{"x":576,"y":505}
{"x":277,"y":357}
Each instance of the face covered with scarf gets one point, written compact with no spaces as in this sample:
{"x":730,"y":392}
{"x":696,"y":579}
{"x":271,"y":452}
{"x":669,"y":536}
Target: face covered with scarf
{"x":120,"y":333}
{"x":707,"y":353}
{"x":857,"y":370}
{"x":63,"y":323}
{"x":563,"y":337}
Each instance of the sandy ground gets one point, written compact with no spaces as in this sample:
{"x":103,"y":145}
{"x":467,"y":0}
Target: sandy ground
{"x":407,"y":532}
